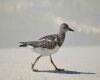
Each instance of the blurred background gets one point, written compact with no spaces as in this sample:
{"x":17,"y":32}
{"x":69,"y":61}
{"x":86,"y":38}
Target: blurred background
{"x":27,"y":20}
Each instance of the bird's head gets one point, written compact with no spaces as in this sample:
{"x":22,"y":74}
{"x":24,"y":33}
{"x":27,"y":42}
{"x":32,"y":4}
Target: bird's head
{"x":64,"y":27}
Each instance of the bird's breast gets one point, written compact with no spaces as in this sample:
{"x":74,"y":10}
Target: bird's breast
{"x":46,"y":51}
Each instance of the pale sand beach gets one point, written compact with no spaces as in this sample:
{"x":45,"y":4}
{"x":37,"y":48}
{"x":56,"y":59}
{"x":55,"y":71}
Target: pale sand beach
{"x":80,"y":63}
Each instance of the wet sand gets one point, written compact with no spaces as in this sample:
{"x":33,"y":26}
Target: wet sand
{"x":80,"y":63}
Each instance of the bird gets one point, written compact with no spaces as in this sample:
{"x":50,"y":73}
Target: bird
{"x":48,"y":45}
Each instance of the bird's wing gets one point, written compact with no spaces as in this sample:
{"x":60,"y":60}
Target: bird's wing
{"x":49,"y":37}
{"x":49,"y":41}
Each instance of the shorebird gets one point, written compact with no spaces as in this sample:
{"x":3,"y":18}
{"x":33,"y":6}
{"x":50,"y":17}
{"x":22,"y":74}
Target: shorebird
{"x":48,"y":45}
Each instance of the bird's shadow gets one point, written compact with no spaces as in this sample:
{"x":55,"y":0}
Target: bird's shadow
{"x":65,"y":72}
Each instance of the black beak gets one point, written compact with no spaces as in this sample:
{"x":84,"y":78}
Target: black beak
{"x":71,"y":29}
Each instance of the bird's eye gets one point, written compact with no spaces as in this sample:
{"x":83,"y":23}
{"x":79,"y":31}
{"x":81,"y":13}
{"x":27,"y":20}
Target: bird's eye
{"x":65,"y":27}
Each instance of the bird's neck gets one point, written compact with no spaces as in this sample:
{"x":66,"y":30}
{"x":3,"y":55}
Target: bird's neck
{"x":61,"y":37}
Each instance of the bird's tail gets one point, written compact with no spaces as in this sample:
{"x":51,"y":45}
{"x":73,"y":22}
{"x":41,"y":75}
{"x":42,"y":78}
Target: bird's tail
{"x":23,"y":44}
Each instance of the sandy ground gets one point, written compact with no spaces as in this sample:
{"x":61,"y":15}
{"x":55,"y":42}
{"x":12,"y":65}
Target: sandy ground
{"x":80,"y":63}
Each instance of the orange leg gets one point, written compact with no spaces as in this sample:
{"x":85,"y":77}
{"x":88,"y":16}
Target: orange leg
{"x":57,"y":69}
{"x":35,"y":62}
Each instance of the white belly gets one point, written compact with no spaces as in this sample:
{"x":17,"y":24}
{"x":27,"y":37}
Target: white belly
{"x":45,"y":51}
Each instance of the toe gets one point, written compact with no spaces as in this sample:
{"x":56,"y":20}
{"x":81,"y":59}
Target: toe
{"x":35,"y":70}
{"x":59,"y":69}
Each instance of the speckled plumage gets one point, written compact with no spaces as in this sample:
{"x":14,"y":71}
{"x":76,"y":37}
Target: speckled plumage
{"x":48,"y":42}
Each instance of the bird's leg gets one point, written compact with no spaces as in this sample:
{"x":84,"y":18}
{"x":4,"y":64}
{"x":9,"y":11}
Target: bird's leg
{"x":57,"y":69}
{"x":35,"y":63}
{"x":53,"y":63}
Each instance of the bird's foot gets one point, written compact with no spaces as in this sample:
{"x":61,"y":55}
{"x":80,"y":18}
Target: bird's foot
{"x":59,"y":69}
{"x":35,"y":70}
